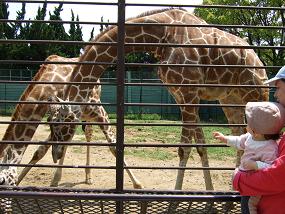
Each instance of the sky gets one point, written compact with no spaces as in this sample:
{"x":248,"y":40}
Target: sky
{"x":95,"y":12}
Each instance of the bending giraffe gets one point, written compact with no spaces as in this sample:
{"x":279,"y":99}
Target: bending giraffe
{"x":246,"y":74}
{"x":35,"y":112}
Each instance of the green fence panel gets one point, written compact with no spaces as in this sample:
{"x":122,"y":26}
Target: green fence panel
{"x":10,"y":92}
{"x":133,"y":94}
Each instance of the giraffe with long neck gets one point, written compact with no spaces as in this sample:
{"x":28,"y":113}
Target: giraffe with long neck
{"x":178,"y":75}
{"x":35,"y":112}
{"x":246,"y":74}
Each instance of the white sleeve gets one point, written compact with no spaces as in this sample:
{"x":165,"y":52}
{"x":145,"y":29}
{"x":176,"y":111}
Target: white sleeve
{"x":262,"y":165}
{"x":237,"y":141}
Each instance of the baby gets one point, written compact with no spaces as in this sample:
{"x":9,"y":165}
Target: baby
{"x":264,"y":123}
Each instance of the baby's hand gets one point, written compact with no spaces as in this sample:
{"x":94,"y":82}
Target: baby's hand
{"x":219,"y":136}
{"x":250,"y":165}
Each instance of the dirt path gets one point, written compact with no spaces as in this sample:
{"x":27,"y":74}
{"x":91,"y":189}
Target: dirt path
{"x":105,"y":178}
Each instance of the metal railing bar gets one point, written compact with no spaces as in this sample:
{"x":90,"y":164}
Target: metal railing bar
{"x":141,"y":84}
{"x":125,"y":104}
{"x":58,"y":166}
{"x":54,"y":82}
{"x":100,"y":144}
{"x":60,"y":22}
{"x":57,"y":103}
{"x":117,"y":196}
{"x":114,"y":167}
{"x":197,"y":85}
{"x":185,"y":124}
{"x":204,"y":46}
{"x":207,"y":6}
{"x":55,"y":123}
{"x":148,"y":5}
{"x":137,"y":64}
{"x":126,"y":124}
{"x":145,"y":24}
{"x":207,"y":25}
{"x":8,"y":41}
{"x":63,"y":2}
{"x":186,"y":104}
{"x":55,"y":62}
{"x":64,"y":42}
{"x":199,"y":65}
{"x":128,"y":191}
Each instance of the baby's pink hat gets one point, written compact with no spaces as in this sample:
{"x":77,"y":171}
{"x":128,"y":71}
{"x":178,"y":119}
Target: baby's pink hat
{"x":265,"y":117}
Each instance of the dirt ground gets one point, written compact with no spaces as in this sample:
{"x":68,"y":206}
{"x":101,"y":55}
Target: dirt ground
{"x":105,"y":178}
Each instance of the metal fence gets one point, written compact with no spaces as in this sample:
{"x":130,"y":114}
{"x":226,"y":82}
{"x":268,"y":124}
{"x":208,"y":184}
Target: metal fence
{"x":120,"y":199}
{"x":133,"y":94}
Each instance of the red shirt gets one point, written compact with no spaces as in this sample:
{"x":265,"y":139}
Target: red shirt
{"x":268,"y":183}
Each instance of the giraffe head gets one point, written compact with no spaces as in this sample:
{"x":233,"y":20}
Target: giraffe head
{"x":61,"y":132}
{"x":8,"y":176}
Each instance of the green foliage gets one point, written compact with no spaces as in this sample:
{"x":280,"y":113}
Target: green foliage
{"x":75,"y":32}
{"x":254,"y":17}
{"x":153,"y":153}
{"x":37,"y":31}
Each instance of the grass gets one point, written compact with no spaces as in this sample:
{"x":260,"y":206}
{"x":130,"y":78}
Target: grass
{"x":162,"y":134}
{"x":154,"y":153}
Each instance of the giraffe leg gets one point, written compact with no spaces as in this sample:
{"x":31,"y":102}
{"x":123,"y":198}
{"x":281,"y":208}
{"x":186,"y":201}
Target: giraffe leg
{"x":88,"y":135}
{"x":38,"y":155}
{"x":58,"y":172}
{"x":183,"y":153}
{"x":186,"y":137}
{"x":136,"y":183}
{"x":202,"y":151}
{"x":101,"y":115}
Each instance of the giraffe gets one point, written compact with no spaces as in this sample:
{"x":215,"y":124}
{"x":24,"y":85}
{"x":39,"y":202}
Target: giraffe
{"x":182,"y":75}
{"x":183,"y":94}
{"x":173,"y":75}
{"x":179,"y":75}
{"x":35,"y":112}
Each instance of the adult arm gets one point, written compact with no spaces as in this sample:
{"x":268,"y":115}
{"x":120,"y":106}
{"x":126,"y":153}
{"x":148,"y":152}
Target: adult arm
{"x":262,"y":182}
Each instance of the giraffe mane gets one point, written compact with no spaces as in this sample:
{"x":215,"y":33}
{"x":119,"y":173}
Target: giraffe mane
{"x":146,"y":13}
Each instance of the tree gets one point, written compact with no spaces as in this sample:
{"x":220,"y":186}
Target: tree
{"x":56,"y":31}
{"x":17,"y":27}
{"x":38,"y":31}
{"x":256,"y":17}
{"x":91,"y":34}
{"x":75,"y":34}
{"x":5,"y":29}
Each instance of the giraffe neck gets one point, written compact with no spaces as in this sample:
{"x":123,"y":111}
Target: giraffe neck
{"x":13,"y":153}
{"x":137,"y":34}
{"x":169,"y":34}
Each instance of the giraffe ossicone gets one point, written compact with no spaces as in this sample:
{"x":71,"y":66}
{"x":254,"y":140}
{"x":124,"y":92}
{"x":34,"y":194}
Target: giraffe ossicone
{"x":211,"y":74}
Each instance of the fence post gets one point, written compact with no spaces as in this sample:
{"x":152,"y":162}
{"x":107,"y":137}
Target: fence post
{"x":120,"y":103}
